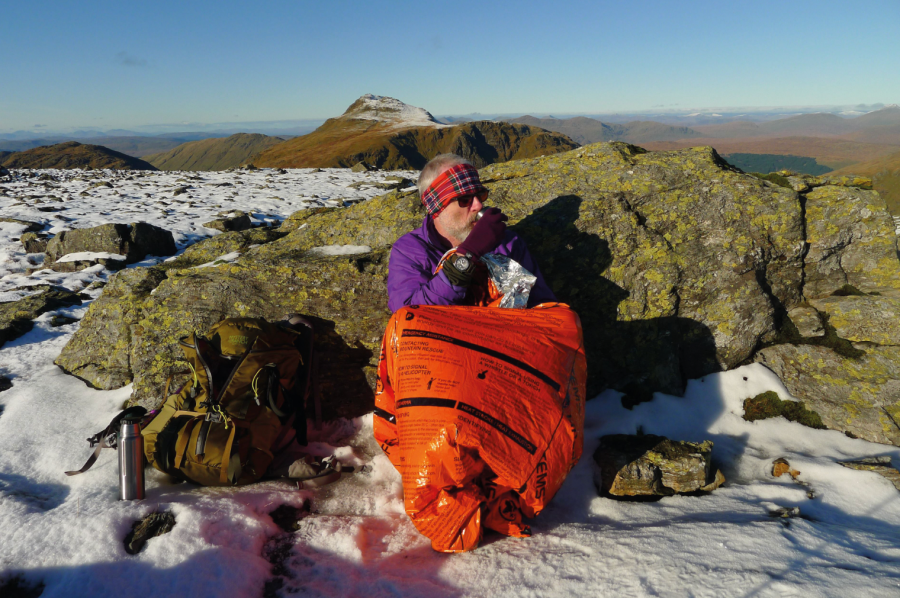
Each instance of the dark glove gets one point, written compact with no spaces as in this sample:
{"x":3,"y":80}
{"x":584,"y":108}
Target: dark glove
{"x":487,"y":234}
{"x":457,"y":276}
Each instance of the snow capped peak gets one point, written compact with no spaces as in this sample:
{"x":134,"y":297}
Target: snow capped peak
{"x":390,"y":111}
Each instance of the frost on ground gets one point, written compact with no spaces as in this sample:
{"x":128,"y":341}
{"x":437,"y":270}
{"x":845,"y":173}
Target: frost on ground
{"x":67,"y":533}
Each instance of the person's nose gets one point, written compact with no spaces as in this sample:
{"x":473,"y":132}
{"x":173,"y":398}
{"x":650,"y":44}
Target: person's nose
{"x":476,"y":204}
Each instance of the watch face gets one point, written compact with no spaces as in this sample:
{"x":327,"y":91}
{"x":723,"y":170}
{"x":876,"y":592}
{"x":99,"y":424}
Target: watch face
{"x":462,"y":264}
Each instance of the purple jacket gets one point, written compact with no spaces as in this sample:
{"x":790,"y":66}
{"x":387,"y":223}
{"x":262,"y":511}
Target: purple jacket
{"x":415,"y":255}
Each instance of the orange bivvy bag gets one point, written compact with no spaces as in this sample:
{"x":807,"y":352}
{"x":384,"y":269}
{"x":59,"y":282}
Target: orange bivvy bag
{"x":481,"y":410}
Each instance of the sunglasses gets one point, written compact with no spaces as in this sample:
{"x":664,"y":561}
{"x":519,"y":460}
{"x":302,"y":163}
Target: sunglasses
{"x":466,"y":200}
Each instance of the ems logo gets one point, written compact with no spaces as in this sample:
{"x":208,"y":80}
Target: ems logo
{"x":410,"y":316}
{"x":508,"y":510}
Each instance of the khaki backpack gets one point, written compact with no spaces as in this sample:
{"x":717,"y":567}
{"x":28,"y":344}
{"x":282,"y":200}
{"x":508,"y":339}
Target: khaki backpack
{"x":249,"y":381}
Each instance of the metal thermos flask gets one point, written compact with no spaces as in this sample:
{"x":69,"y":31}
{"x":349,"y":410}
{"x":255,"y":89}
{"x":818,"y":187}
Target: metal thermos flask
{"x":481,"y":212}
{"x":131,"y":459}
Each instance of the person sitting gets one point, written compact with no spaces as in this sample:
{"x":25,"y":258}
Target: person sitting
{"x":453,"y":196}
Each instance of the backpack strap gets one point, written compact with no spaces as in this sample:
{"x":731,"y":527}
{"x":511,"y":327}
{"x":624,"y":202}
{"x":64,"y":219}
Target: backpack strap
{"x":107,"y":438}
{"x":310,"y":384}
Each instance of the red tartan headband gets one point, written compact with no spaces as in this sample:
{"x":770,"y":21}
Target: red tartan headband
{"x":455,"y":182}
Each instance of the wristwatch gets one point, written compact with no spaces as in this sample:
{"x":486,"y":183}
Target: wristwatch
{"x":464,"y":263}
{"x":459,"y":269}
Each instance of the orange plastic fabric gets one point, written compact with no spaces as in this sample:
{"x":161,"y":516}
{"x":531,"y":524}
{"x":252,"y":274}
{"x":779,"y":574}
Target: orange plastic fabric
{"x":481,"y":410}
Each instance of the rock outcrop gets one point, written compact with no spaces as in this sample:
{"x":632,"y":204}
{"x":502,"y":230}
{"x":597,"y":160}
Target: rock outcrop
{"x":131,"y":241}
{"x":230,"y":221}
{"x":678,"y":264}
{"x":16,"y":317}
{"x":651,"y":465}
{"x":850,"y":372}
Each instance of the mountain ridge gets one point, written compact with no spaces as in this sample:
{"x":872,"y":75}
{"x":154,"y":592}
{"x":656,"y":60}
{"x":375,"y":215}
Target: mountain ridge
{"x":215,"y":153}
{"x":385,"y":133}
{"x":72,"y":154}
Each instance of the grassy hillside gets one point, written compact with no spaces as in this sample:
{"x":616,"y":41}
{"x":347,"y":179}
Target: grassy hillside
{"x":887,"y":135}
{"x":214,"y":154}
{"x":585,"y":130}
{"x":885,"y":117}
{"x":805,"y":125}
{"x":72,"y":154}
{"x":885,"y":173}
{"x":738,"y":128}
{"x":139,"y":146}
{"x":773,"y":162}
{"x":344,"y":142}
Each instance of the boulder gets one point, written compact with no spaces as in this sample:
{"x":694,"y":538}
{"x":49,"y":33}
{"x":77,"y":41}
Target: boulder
{"x":649,"y":465}
{"x":30,"y":226}
{"x":133,"y":241}
{"x":75,"y":262}
{"x":361,"y":167}
{"x":34,"y":243}
{"x":852,"y":241}
{"x":16,"y":316}
{"x":233,"y":221}
{"x":858,"y":393}
{"x":678,"y":265}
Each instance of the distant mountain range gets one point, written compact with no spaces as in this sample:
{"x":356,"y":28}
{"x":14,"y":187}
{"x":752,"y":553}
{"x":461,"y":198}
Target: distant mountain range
{"x":133,"y":145}
{"x":213,"y":154}
{"x":386,"y":133}
{"x":586,"y":130}
{"x":72,"y":154}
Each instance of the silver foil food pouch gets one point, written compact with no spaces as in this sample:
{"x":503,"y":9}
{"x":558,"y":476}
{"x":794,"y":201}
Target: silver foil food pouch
{"x":511,"y":279}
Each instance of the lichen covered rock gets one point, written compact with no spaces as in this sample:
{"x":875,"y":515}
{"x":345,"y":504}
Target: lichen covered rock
{"x":675,"y":262}
{"x":100,"y":352}
{"x":807,"y":321}
{"x":16,"y":317}
{"x":858,"y":395}
{"x":651,"y":465}
{"x":863,"y":318}
{"x":134,"y":241}
{"x":851,"y":242}
{"x":232,"y":221}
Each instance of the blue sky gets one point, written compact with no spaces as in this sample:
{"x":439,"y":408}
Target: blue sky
{"x":126,"y":64}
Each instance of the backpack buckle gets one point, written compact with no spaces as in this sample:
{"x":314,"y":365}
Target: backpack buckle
{"x":214,"y":417}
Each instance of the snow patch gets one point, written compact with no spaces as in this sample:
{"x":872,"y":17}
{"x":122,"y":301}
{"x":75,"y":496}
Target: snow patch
{"x":84,"y":256}
{"x":340,"y":249}
{"x":228,"y":258}
{"x":393,"y":111}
